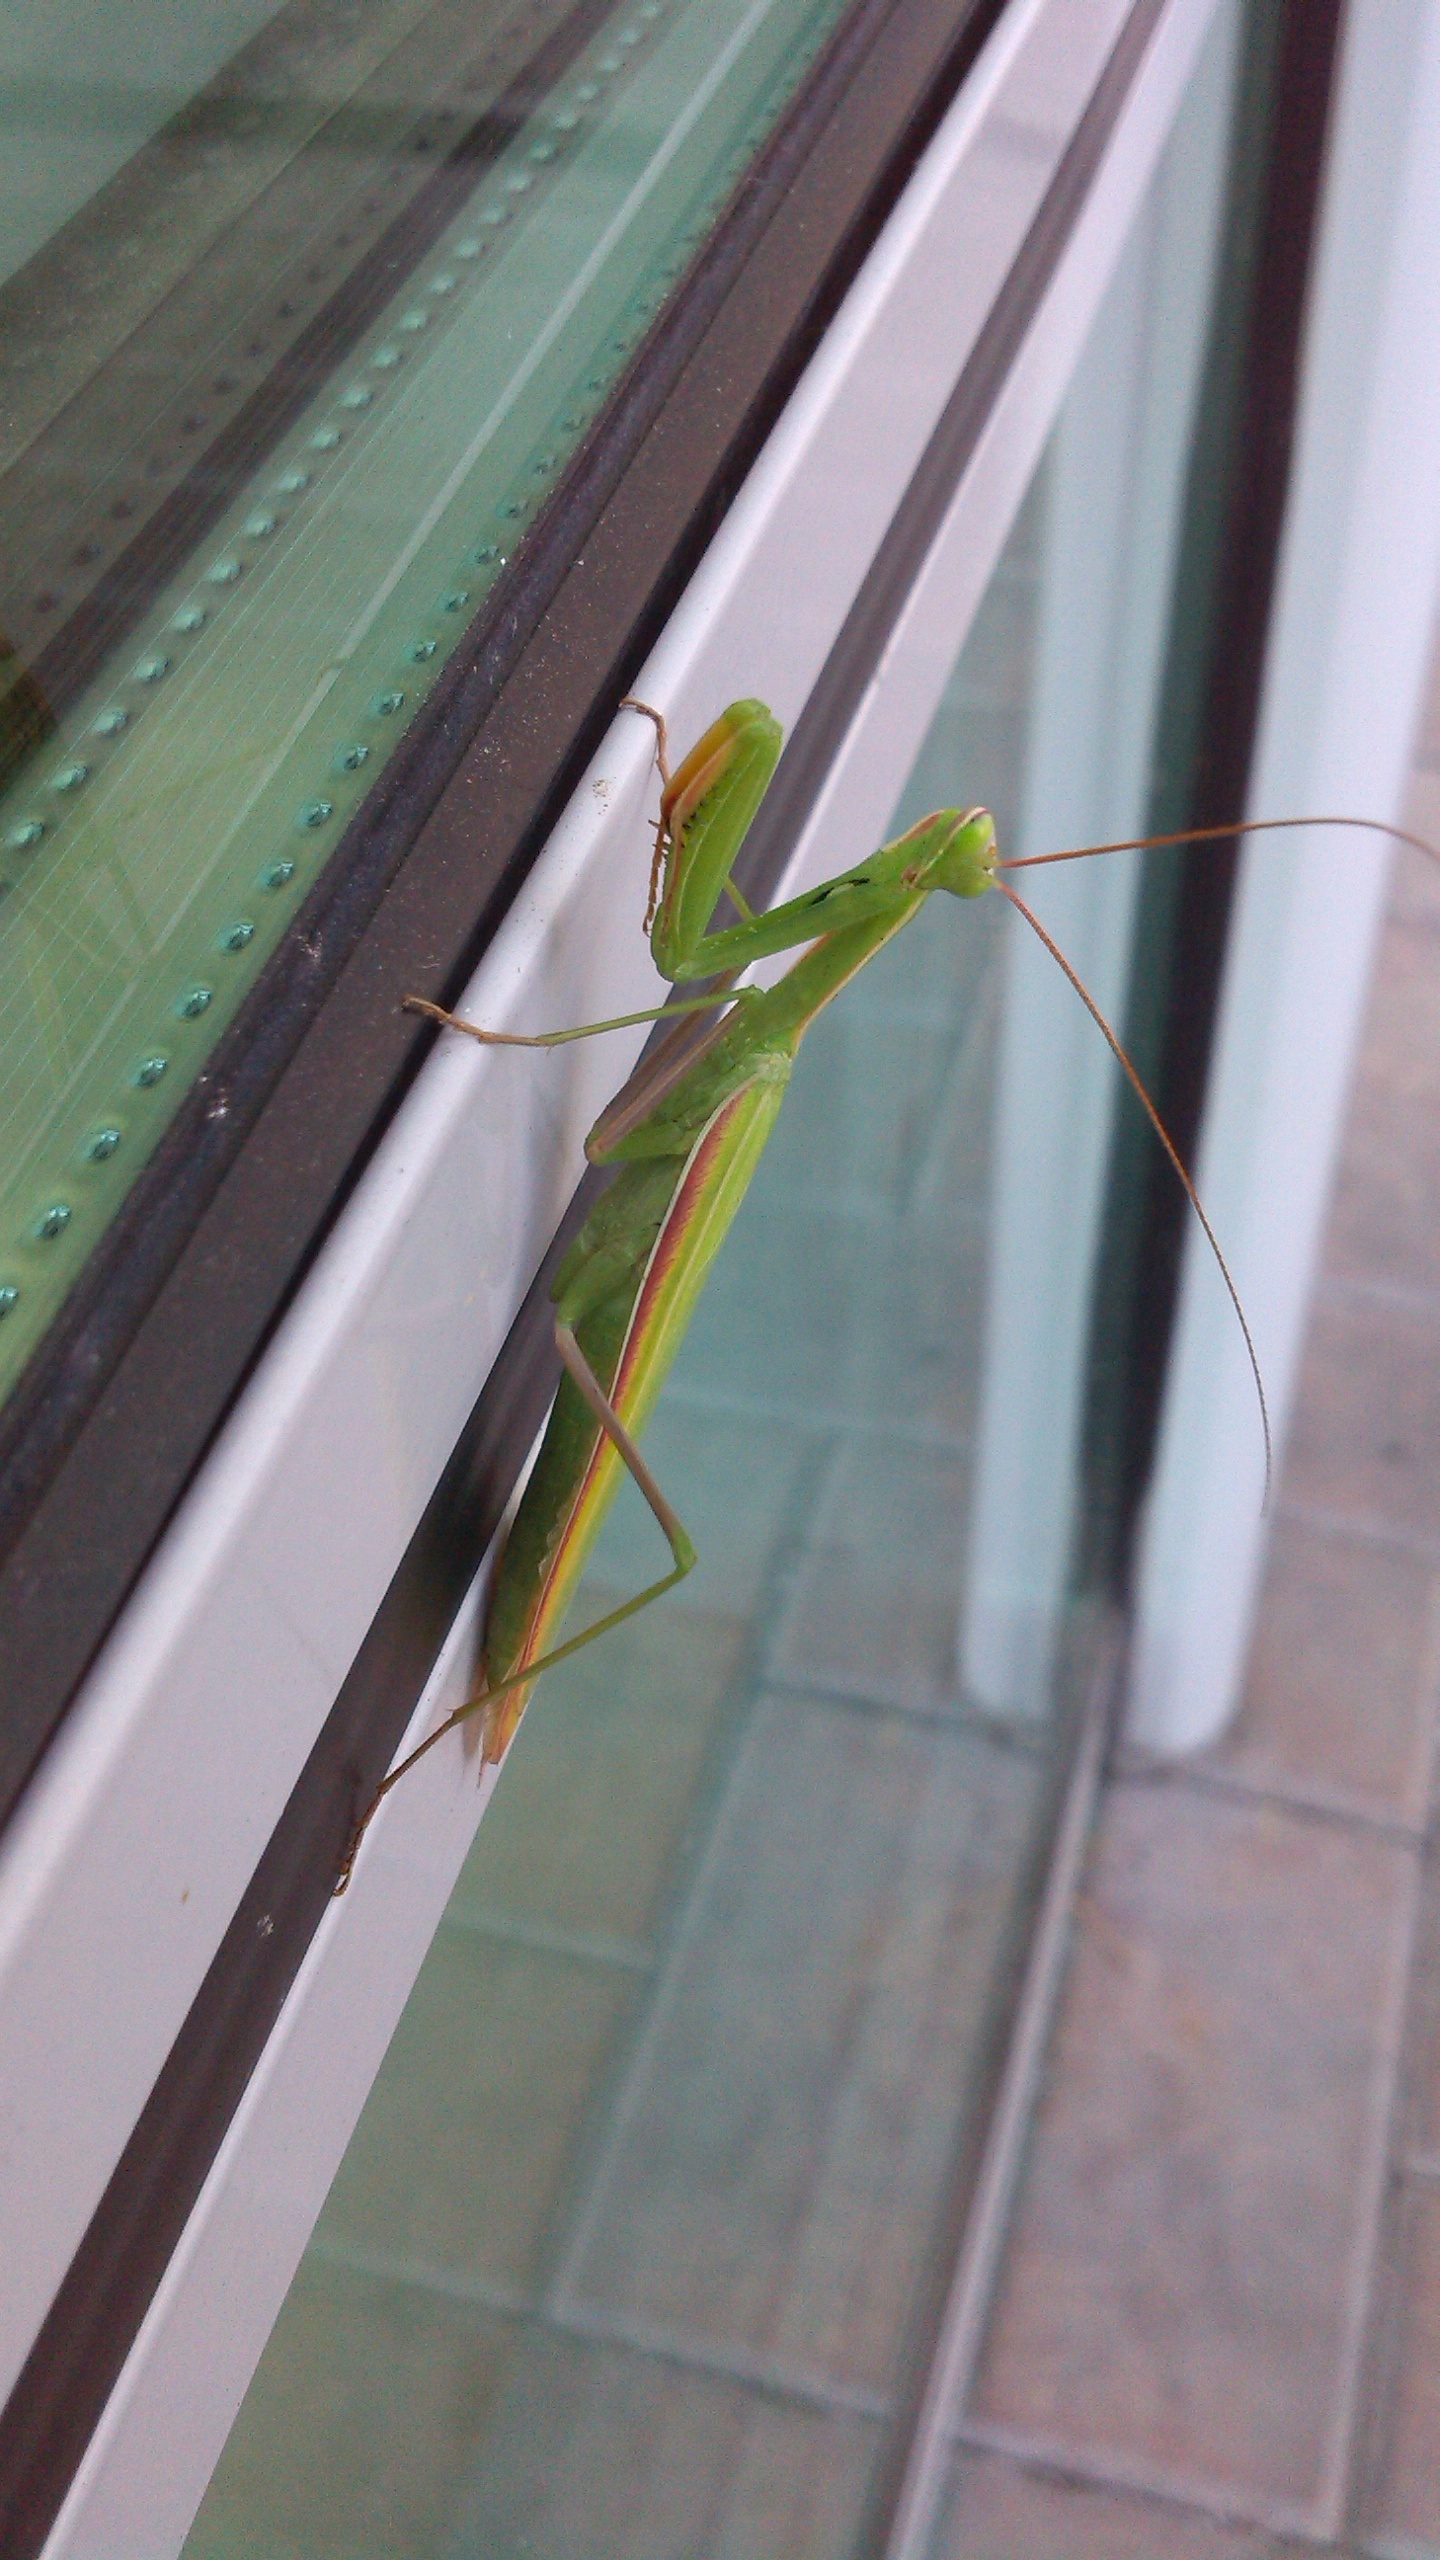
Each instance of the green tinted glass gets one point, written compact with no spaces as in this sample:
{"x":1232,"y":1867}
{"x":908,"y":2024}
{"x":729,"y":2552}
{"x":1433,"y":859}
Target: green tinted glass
{"x":293,"y":345}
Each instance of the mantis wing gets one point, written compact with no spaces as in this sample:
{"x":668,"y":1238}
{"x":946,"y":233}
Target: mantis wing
{"x":578,"y":1473}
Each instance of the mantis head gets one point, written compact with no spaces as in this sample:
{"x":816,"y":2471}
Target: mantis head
{"x":955,"y":850}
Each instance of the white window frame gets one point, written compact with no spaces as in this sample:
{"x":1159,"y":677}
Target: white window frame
{"x":1348,"y":654}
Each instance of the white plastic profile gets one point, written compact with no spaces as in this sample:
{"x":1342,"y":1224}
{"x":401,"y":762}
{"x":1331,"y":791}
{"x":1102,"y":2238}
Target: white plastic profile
{"x":1348,"y":653}
{"x":121,"y":1872}
{"x":1114,"y":517}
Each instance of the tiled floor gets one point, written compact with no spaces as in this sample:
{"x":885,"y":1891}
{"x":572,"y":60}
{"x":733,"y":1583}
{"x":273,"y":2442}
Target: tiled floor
{"x":1216,"y":2332}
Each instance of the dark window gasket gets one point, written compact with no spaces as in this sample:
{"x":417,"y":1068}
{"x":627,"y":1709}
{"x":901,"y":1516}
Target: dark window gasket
{"x":80,"y":2349}
{"x":106,"y":1428}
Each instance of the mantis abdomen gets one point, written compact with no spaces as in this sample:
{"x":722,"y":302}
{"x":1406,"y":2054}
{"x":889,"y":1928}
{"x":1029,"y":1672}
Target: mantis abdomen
{"x":628,"y":1332}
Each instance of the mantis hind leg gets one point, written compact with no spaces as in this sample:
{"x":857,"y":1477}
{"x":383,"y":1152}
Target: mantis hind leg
{"x":682,"y":1551}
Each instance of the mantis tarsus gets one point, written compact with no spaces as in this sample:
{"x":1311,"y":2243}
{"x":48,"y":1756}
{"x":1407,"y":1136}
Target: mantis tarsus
{"x":686,"y":1132}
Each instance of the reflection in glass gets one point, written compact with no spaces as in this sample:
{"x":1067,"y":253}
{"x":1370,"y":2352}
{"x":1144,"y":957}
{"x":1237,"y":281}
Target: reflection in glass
{"x":287,"y":367}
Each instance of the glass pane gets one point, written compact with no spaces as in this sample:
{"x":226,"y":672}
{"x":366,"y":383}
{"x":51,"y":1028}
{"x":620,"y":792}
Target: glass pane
{"x":636,"y":2248}
{"x":294,"y":339}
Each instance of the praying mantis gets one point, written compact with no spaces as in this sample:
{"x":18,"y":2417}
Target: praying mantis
{"x":686,"y":1133}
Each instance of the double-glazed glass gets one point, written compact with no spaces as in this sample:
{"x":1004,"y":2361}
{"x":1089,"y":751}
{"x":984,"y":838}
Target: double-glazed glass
{"x":639,"y":2244}
{"x":294,"y":341}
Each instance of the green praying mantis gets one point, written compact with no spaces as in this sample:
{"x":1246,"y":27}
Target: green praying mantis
{"x":686,"y":1133}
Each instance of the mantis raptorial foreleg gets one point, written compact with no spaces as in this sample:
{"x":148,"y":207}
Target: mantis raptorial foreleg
{"x":686,"y":1133}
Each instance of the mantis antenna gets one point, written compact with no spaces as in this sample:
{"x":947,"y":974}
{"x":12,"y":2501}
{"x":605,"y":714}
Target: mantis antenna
{"x":1162,"y":1133}
{"x":1149,"y":844}
{"x":1211,"y":835}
